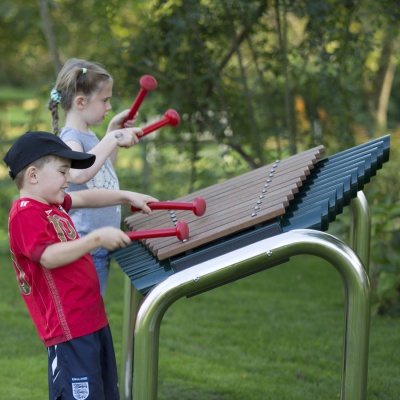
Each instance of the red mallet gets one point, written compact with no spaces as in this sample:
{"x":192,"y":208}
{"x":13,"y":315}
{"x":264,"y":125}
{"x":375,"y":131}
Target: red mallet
{"x":171,"y":117}
{"x":147,"y":84}
{"x":198,"y":206}
{"x":181,"y":231}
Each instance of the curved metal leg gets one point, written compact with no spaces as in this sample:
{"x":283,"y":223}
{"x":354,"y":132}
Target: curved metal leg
{"x":132,"y":300}
{"x":249,"y":259}
{"x":360,"y":229}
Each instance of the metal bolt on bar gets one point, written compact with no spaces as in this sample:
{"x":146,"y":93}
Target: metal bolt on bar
{"x":248,"y":260}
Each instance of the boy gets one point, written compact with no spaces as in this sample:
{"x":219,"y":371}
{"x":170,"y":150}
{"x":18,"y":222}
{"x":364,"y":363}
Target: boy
{"x":55,"y":271}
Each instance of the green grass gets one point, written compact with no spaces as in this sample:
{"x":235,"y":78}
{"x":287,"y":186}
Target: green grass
{"x":275,"y":335}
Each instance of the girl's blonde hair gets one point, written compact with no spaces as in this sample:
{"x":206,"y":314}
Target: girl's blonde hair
{"x":76,"y":76}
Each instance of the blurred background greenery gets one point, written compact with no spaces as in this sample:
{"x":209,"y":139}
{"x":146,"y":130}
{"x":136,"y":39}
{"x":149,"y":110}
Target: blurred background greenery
{"x":252,"y":81}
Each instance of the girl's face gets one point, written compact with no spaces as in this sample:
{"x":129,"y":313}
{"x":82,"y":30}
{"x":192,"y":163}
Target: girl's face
{"x":98,"y":105}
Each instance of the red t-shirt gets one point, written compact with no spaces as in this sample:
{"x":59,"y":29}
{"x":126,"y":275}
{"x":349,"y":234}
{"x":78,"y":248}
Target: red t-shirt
{"x":65,"y":302}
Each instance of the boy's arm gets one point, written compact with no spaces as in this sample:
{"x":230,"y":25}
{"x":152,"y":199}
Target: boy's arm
{"x":95,"y":198}
{"x":60,"y":254}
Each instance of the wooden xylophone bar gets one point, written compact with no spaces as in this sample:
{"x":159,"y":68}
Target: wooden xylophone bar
{"x":301,"y":191}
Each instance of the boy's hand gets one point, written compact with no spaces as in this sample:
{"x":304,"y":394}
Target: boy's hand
{"x":111,"y":238}
{"x":139,"y":200}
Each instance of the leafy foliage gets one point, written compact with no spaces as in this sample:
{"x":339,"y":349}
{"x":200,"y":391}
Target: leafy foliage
{"x":385,"y":255}
{"x":386,"y":259}
{"x":252,"y":80}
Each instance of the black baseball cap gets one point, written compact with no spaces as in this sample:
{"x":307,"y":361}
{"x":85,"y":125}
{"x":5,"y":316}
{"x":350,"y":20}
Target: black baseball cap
{"x":33,"y":145}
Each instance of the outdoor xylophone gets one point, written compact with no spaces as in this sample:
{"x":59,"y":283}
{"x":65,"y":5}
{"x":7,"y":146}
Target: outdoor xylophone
{"x":253,"y":222}
{"x":299,"y":192}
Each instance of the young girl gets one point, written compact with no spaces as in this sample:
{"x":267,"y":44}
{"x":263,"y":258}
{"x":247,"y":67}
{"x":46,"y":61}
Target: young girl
{"x":84,"y":90}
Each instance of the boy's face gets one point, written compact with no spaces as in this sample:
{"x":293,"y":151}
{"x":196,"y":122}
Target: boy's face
{"x":98,"y":105}
{"x":52,"y":180}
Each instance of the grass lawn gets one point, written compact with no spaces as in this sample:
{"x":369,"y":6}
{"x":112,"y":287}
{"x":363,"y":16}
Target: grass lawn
{"x":275,"y":335}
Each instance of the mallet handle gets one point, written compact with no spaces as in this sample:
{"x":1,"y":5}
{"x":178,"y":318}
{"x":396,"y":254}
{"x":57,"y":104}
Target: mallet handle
{"x":147,"y":84}
{"x":181,"y":231}
{"x":198,"y":206}
{"x":171,"y":117}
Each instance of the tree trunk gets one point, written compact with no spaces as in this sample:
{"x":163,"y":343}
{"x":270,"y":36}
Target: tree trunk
{"x":49,"y":35}
{"x":384,"y":95}
{"x":289,"y":108}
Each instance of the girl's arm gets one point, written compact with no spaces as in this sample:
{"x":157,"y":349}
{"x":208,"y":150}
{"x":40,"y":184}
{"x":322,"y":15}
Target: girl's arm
{"x":60,"y":254}
{"x":116,"y":124}
{"x":93,"y":198}
{"x":107,"y":147}
{"x":102,"y":152}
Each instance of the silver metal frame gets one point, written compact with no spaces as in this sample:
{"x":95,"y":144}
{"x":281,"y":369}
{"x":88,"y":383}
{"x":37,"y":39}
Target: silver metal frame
{"x":360,"y":228}
{"x":132,"y":300}
{"x":141,"y":343}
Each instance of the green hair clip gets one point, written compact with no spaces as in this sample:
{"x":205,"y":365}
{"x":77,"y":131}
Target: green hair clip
{"x":84,"y":70}
{"x":55,"y":95}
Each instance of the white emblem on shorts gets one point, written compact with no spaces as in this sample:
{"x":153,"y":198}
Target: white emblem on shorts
{"x":80,"y":388}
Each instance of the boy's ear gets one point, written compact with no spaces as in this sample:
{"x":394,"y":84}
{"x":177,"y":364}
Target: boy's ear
{"x":31,"y":174}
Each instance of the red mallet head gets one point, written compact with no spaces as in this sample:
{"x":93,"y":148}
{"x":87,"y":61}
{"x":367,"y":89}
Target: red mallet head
{"x":199,"y":206}
{"x":182,"y":231}
{"x":147,"y":84}
{"x":171,"y":117}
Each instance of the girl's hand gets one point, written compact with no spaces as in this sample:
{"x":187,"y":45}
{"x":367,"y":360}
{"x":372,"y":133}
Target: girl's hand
{"x":131,"y":122}
{"x":127,"y":137}
{"x":117,"y":120}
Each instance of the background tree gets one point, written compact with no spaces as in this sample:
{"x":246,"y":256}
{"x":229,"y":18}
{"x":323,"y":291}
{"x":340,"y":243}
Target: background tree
{"x":252,"y":80}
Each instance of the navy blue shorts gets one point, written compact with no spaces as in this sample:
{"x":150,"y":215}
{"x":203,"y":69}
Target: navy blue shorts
{"x":84,"y":368}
